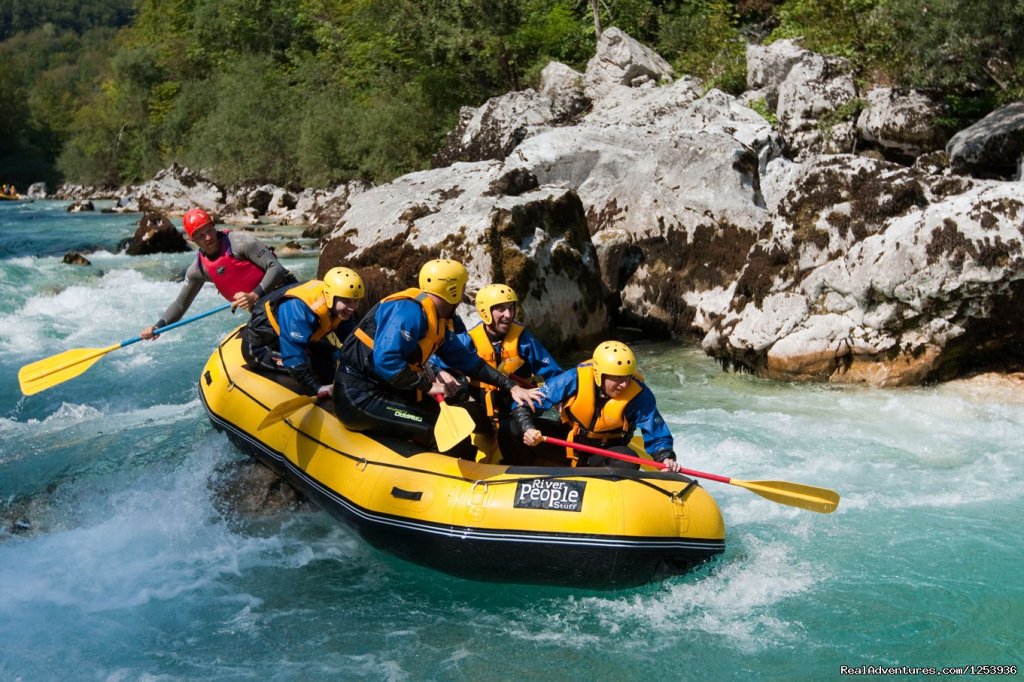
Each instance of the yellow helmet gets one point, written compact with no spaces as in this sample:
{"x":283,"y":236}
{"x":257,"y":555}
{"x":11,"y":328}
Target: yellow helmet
{"x":343,"y":283}
{"x":615,"y":358}
{"x":492,"y":295}
{"x":445,"y":277}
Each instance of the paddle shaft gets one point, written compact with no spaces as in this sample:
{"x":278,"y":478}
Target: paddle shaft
{"x":126,"y":342}
{"x":615,"y":455}
{"x":816,"y":499}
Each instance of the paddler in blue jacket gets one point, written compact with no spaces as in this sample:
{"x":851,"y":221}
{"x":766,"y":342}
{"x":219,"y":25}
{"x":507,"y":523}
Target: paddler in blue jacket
{"x":510,"y":348}
{"x":290,"y":330}
{"x":242,"y":268}
{"x":383,"y":382}
{"x":603,"y":401}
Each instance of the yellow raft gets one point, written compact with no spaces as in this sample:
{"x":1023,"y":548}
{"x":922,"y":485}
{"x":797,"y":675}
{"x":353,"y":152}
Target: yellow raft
{"x":594,"y":527}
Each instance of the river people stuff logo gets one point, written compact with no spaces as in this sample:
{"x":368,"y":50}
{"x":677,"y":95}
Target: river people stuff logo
{"x":548,"y":494}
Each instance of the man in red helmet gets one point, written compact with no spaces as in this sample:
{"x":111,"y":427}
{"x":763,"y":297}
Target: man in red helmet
{"x":242,"y":268}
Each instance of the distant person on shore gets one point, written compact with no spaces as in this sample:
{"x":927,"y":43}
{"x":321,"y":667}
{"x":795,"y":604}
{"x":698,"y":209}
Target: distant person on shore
{"x":290,"y":330}
{"x":603,"y":401}
{"x":242,"y":268}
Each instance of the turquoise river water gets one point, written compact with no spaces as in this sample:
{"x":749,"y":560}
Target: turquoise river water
{"x":115,"y":564}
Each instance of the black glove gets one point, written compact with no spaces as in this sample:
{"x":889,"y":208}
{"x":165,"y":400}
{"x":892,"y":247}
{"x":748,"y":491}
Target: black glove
{"x":523,"y":417}
{"x":662,"y":455}
{"x":487,"y":374}
{"x":304,"y":375}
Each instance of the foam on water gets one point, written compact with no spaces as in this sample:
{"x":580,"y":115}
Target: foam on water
{"x":129,"y":571}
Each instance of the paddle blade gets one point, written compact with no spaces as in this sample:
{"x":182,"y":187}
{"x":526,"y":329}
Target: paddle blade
{"x":821,"y":500}
{"x":454,"y":425}
{"x":285,"y":410}
{"x":43,"y":374}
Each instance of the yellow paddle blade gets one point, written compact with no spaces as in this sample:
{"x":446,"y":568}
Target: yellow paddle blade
{"x":42,"y":374}
{"x":808,"y":497}
{"x":454,"y":425}
{"x":285,"y":410}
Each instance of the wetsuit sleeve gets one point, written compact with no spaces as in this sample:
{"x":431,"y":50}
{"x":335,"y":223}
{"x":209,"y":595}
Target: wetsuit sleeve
{"x":249,"y":248}
{"x":400,"y":326}
{"x":297,"y":325}
{"x":538,"y":360}
{"x":463,"y":338}
{"x":643,"y":412}
{"x":455,"y":353}
{"x":194,"y":280}
{"x":554,"y":391}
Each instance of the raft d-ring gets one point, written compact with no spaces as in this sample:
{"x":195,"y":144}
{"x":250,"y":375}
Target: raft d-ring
{"x":475,"y":484}
{"x":677,"y":497}
{"x":361,"y":464}
{"x":231,"y":386}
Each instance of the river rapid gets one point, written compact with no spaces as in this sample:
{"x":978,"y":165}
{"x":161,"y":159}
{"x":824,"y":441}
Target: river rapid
{"x":117,"y":565}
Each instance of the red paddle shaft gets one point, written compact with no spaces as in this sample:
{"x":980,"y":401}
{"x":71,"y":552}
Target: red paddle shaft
{"x":634,"y":460}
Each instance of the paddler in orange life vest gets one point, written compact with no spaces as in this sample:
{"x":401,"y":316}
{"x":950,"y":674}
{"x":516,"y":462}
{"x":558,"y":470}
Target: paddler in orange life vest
{"x":383,"y":383}
{"x":242,"y":268}
{"x":290,"y":329}
{"x":510,"y":348}
{"x":603,"y":402}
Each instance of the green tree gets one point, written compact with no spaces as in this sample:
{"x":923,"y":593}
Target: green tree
{"x":248,"y":130}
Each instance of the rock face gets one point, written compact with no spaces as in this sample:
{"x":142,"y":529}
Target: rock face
{"x":653,"y":194}
{"x":879,"y":274}
{"x":992,"y":147}
{"x":625,"y":195}
{"x":501,"y":224}
{"x":904,"y":123}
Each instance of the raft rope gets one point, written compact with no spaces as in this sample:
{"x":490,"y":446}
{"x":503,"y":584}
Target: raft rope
{"x":618,"y":476}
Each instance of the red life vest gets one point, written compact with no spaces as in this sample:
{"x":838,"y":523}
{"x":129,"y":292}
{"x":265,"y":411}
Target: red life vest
{"x":229,"y":274}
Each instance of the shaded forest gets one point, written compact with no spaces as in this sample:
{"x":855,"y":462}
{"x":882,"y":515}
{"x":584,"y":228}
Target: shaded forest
{"x":309,"y":93}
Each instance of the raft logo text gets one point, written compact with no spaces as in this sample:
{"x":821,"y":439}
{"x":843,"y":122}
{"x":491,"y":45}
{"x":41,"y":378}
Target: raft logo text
{"x":556,"y":495}
{"x":914,"y":670}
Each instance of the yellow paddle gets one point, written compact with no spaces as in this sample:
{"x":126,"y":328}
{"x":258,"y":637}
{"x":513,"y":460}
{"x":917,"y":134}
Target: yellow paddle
{"x":454,"y":425}
{"x":285,"y":410}
{"x":48,"y":372}
{"x":809,"y":497}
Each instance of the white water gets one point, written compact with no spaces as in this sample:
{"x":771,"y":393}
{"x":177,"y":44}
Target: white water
{"x":117,"y":564}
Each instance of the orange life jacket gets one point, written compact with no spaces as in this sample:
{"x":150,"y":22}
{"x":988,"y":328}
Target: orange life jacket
{"x":312,"y":294}
{"x":580,"y":411}
{"x":508,"y":363}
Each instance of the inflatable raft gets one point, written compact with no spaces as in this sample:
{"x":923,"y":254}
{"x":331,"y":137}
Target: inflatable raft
{"x":593,"y":527}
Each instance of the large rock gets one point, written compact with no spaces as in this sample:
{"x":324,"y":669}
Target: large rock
{"x":155,"y":234}
{"x":906,"y":123}
{"x":669,"y":181}
{"x":875,"y":273}
{"x":177,"y":189}
{"x":768,"y":67}
{"x":501,"y":224}
{"x":812,"y":109}
{"x":622,"y":62}
{"x":992,"y":147}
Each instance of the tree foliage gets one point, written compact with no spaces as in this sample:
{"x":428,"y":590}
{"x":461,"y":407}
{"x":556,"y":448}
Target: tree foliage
{"x":314,"y":92}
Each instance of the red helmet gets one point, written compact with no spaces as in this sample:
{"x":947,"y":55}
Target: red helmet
{"x":195,"y":219}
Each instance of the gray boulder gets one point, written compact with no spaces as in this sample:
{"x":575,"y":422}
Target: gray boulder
{"x":902,"y":122}
{"x":992,"y":147}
